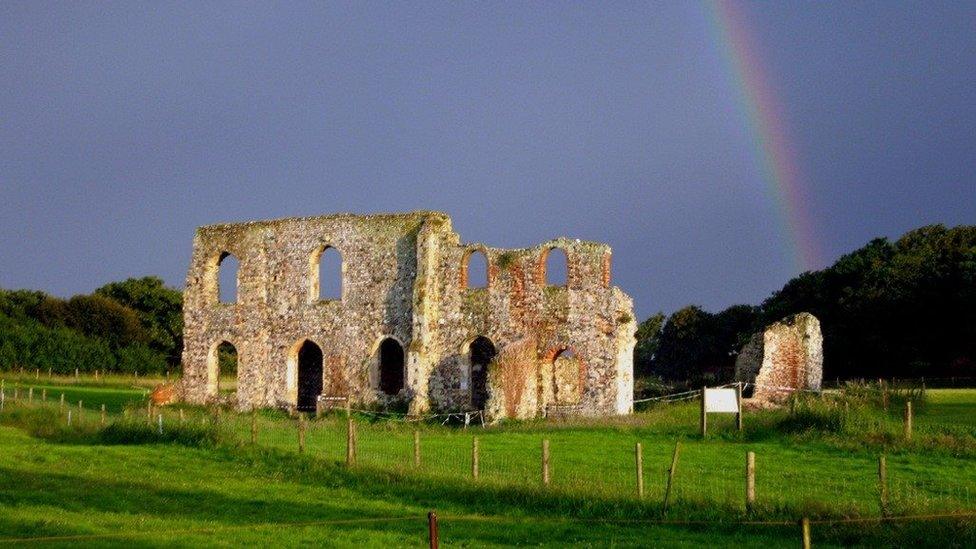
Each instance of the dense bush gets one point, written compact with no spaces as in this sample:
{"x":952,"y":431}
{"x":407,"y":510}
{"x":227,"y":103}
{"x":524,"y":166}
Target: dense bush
{"x":92,"y":332}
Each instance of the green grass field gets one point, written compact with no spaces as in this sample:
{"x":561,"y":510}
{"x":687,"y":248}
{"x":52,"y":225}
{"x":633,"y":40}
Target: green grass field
{"x":203,"y":483}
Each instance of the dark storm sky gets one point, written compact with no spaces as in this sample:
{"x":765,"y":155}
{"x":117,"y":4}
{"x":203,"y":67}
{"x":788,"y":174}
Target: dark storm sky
{"x":123,"y":126}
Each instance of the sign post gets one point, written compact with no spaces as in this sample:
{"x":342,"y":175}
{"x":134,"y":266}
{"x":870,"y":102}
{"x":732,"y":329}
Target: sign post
{"x":721,"y":401}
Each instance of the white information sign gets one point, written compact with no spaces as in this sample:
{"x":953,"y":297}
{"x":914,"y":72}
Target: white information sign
{"x":721,"y":401}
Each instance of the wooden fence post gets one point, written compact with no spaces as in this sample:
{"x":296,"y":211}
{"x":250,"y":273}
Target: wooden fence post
{"x":750,"y":481}
{"x":301,"y":433}
{"x":416,"y":449}
{"x":545,"y":462}
{"x":474,"y":458}
{"x":432,"y":529}
{"x":350,"y":442}
{"x":639,"y":463}
{"x":883,"y":484}
{"x":704,"y":417}
{"x":805,"y":532}
{"x":908,"y":420}
{"x":671,"y":473}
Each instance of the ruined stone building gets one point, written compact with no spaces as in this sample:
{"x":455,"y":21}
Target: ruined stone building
{"x":407,"y":327}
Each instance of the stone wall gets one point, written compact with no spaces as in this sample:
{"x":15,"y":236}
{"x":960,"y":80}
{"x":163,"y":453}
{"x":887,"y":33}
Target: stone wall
{"x":786,"y":356}
{"x":404,"y":276}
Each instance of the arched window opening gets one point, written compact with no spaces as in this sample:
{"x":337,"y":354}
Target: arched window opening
{"x":227,"y":267}
{"x":327,"y":275}
{"x":481,"y":352}
{"x":567,"y":377}
{"x":309,"y":375}
{"x":223,"y":368}
{"x":557,"y":267}
{"x":391,"y":366}
{"x":476,"y":270}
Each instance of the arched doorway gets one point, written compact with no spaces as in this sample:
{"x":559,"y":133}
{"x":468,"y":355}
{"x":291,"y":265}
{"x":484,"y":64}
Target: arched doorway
{"x":222,"y":363}
{"x":481,"y":352}
{"x":309,"y":375}
{"x":391,"y":366}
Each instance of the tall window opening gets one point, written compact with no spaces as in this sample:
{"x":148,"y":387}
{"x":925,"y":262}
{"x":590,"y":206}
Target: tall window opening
{"x":309,"y":375}
{"x":227,"y":267}
{"x":326,"y":275}
{"x":391,"y":366}
{"x":476,"y":270}
{"x":481,"y":352}
{"x":557,"y":267}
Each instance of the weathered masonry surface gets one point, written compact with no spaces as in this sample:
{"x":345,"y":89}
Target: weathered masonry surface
{"x":407,"y":328}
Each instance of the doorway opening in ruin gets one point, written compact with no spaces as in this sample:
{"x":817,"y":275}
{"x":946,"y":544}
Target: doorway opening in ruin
{"x":391,"y":366}
{"x":309,"y":375}
{"x":557,"y":268}
{"x":222,"y":363}
{"x":227,"y":277}
{"x":567,"y":378}
{"x":481,"y":352}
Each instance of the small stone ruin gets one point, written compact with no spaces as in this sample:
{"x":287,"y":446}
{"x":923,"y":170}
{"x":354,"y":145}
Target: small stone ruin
{"x":785,"y":357}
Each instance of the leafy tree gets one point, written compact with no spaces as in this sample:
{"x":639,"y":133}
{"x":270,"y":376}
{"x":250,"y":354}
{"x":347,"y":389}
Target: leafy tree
{"x":648,"y":340}
{"x":160,"y":310}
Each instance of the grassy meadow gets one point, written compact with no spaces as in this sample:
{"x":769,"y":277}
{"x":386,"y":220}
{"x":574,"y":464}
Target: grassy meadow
{"x":202,"y":482}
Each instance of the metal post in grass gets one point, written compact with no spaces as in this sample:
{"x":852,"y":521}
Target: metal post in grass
{"x":474,"y":458}
{"x":37,"y":373}
{"x":79,"y":406}
{"x":908,"y":420}
{"x":432,"y":529}
{"x":76,"y":374}
{"x":639,"y":463}
{"x":69,"y":418}
{"x":50,"y":373}
{"x":738,"y":404}
{"x":671,"y":473}
{"x":181,"y":416}
{"x":44,"y":395}
{"x":416,"y":448}
{"x":62,"y":401}
{"x":254,"y":425}
{"x":102,"y":419}
{"x":750,"y":481}
{"x":159,"y":419}
{"x":883,"y":484}
{"x":704,"y":416}
{"x":350,"y":442}
{"x":545,"y":462}
{"x":805,"y":532}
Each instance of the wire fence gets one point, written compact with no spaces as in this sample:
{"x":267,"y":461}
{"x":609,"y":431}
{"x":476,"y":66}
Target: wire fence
{"x":579,"y":463}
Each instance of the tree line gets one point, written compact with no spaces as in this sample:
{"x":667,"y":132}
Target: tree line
{"x":903,"y":309}
{"x":135,"y":325}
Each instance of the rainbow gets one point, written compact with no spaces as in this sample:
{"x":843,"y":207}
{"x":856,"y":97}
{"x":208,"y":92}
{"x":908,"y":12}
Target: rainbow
{"x":774,"y":150}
